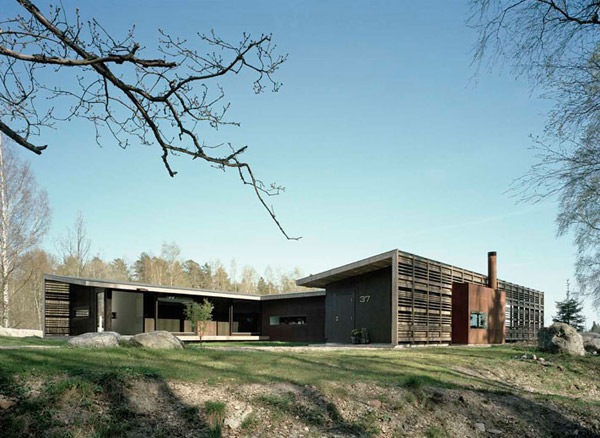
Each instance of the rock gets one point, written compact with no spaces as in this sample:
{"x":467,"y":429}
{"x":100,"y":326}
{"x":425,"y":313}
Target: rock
{"x":591,"y":342}
{"x":375,"y":403}
{"x":561,"y":338}
{"x":157,"y":340}
{"x":95,"y":340}
{"x":495,"y":431}
{"x":235,"y":420}
{"x":480,"y":427}
{"x":6,"y":403}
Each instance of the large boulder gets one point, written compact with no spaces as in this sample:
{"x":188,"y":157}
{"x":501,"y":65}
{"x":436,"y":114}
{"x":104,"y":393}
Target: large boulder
{"x":561,"y":338}
{"x":591,"y":342}
{"x":96,"y":340}
{"x":160,"y":340}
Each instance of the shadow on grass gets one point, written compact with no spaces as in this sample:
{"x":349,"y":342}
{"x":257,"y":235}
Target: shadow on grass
{"x":99,"y":401}
{"x":110,"y":371}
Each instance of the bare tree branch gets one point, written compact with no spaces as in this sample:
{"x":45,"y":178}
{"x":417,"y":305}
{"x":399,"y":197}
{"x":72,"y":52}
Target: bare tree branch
{"x":557,"y":45}
{"x":133,"y":99}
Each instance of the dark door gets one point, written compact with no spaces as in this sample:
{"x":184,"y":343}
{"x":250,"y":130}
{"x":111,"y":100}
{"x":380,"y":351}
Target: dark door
{"x":343,"y":317}
{"x":82,"y":309}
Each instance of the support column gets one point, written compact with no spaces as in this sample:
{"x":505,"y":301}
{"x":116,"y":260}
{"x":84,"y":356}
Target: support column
{"x":108,"y":310}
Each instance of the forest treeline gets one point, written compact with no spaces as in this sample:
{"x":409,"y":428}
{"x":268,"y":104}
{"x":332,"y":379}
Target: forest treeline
{"x":24,"y":222}
{"x":72,"y":258}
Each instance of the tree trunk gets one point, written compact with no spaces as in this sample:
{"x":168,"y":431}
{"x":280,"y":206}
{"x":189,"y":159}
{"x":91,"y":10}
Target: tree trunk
{"x":4,"y":259}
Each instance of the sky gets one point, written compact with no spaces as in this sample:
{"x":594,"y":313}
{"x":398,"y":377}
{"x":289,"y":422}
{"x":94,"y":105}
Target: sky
{"x":384,"y":134}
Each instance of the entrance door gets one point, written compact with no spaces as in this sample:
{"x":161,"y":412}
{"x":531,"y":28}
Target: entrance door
{"x":343,"y":317}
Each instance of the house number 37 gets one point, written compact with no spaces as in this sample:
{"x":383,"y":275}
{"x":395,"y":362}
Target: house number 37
{"x":364,"y":298}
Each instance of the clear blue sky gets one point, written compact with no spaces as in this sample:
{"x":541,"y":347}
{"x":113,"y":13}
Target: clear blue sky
{"x":380,"y":134}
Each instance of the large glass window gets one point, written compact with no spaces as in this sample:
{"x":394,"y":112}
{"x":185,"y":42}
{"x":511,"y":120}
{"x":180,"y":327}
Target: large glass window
{"x":246,"y":317}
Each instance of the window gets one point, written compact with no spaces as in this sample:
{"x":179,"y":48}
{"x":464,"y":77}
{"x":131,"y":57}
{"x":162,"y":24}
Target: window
{"x":81,"y":312}
{"x":479,"y":320}
{"x":287,"y":320}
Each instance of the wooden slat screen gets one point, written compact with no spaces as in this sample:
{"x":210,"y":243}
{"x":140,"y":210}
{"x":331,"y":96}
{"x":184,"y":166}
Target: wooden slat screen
{"x":56,"y":308}
{"x":524,"y":311}
{"x":425,"y":301}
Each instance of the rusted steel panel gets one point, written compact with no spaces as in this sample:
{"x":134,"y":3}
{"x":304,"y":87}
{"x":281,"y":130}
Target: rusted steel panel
{"x":470,"y":298}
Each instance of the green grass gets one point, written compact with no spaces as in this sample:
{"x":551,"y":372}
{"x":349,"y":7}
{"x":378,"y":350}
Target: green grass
{"x":435,"y":432}
{"x":10,"y":342}
{"x":74,"y":374}
{"x":452,"y":367}
{"x":432,"y":366}
{"x":215,"y":415}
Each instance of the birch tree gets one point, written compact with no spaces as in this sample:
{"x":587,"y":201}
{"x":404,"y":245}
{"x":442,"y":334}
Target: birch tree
{"x":24,"y":219}
{"x":556,"y":44}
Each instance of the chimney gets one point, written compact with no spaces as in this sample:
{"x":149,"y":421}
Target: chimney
{"x":492,"y":270}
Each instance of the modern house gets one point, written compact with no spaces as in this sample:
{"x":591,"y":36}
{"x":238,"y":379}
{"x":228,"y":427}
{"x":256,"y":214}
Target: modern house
{"x":77,"y":305}
{"x":404,"y":298}
{"x":400,"y":298}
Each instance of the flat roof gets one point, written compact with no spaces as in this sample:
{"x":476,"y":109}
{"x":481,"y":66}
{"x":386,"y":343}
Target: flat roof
{"x":144,"y":287}
{"x":363,"y":266}
{"x":375,"y":263}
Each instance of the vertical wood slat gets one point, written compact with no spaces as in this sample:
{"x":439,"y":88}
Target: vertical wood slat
{"x":423,"y":311}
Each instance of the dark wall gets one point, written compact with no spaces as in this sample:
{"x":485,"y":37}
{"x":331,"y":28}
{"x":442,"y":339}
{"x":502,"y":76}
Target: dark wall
{"x":460,"y":313}
{"x":82,"y":309}
{"x":357,"y":302}
{"x":311,"y":308}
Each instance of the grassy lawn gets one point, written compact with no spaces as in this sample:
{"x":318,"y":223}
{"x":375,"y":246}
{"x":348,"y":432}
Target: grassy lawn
{"x":315,"y":384}
{"x":9,"y":341}
{"x":491,"y":368}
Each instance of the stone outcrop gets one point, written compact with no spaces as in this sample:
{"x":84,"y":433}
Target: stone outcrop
{"x":591,"y":342}
{"x":159,"y":340}
{"x":561,"y":338}
{"x":238,"y":414}
{"x":95,"y":340}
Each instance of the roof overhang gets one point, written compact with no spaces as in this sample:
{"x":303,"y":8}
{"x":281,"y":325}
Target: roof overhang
{"x":350,"y":270}
{"x":172,"y":290}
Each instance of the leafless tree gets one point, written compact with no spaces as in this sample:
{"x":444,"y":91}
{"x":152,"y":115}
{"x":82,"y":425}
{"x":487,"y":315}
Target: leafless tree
{"x":159,"y":100}
{"x":74,"y":248}
{"x":557,"y":45}
{"x":24,"y":219}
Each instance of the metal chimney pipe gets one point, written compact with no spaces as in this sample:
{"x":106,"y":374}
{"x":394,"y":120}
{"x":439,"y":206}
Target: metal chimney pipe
{"x":492,"y":270}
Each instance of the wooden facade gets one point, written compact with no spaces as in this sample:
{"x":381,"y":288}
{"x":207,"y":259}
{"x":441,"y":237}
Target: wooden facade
{"x":425,"y":301}
{"x":399,"y":297}
{"x":56,"y":308}
{"x":524,"y":311}
{"x":300,"y":319}
{"x":421,"y":297}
